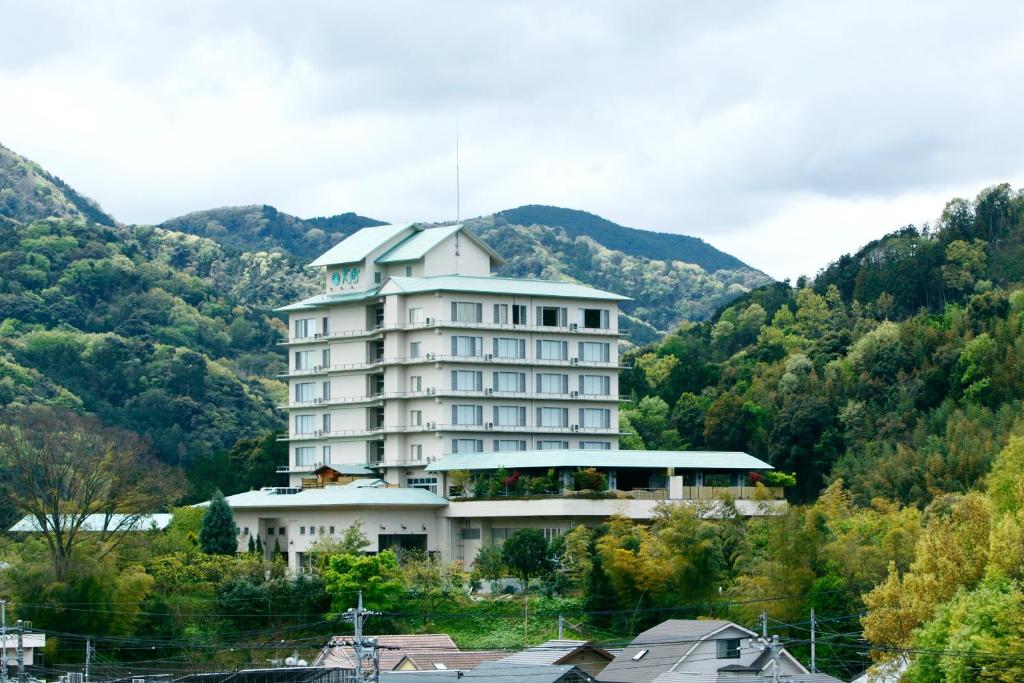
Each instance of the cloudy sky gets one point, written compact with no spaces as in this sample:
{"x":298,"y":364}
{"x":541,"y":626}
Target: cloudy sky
{"x":783,"y":132}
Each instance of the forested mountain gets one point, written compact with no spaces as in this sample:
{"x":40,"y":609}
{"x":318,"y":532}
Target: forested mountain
{"x":899,"y":369}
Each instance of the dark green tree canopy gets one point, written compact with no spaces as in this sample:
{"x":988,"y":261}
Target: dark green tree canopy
{"x":526,"y":554}
{"x":219,"y":532}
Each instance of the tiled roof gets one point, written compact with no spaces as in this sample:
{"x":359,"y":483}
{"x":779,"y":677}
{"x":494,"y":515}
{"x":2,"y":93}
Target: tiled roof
{"x":552,"y":652}
{"x":497,"y":285}
{"x":360,"y":244}
{"x":705,"y":460}
{"x":423,"y":651}
{"x":321,"y":300}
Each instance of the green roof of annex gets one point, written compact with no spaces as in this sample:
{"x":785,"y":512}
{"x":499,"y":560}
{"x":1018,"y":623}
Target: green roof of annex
{"x":585,"y":457}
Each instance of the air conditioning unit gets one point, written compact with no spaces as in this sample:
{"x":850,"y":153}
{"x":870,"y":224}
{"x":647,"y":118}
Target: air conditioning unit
{"x":431,"y":391}
{"x":430,"y":356}
{"x":428,"y":321}
{"x":317,"y":368}
{"x":317,"y":335}
{"x":319,"y":432}
{"x":575,"y":361}
{"x":489,"y":425}
{"x":488,"y":356}
{"x":574,"y":326}
{"x":488,"y":391}
{"x":574,"y":394}
{"x":431,"y":425}
{"x":575,"y":428}
{"x":318,"y":400}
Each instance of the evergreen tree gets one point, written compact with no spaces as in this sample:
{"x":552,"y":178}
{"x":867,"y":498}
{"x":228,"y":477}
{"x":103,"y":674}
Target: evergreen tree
{"x":277,"y":547}
{"x":218,"y":533}
{"x":252,"y":545}
{"x":259,"y":545}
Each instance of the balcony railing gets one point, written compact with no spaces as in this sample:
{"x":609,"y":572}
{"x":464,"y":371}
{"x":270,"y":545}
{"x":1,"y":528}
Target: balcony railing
{"x":486,"y":359}
{"x":437,"y":323}
{"x":447,"y":427}
{"x":689,"y":493}
{"x":431,"y":393}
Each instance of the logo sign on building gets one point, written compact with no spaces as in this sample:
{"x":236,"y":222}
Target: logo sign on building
{"x":345,"y":276}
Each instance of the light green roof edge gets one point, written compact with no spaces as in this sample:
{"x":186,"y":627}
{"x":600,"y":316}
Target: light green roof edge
{"x":359,"y":244}
{"x":417,"y":244}
{"x":337,"y":496}
{"x":497,"y":285}
{"x":694,"y":460}
{"x":321,"y":300}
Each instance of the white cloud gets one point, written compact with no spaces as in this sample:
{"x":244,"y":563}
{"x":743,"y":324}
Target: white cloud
{"x":785,"y":133}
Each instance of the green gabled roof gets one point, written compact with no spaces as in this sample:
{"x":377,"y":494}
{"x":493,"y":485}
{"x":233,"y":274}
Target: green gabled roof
{"x":336,"y":496}
{"x":496,"y":285}
{"x":580,"y":457}
{"x":416,"y":246}
{"x":321,"y":300}
{"x":360,"y":244}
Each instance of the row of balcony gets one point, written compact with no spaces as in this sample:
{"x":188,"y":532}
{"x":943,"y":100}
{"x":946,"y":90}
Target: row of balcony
{"x":433,"y":323}
{"x":439,"y":393}
{"x":444,"y":427}
{"x":450,"y":358}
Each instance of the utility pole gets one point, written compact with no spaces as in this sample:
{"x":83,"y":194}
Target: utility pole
{"x":20,"y":652}
{"x":774,"y":648}
{"x":3,"y":641}
{"x":814,"y":659}
{"x":365,"y":648}
{"x":764,"y":624}
{"x":561,"y":626}
{"x":88,"y":652}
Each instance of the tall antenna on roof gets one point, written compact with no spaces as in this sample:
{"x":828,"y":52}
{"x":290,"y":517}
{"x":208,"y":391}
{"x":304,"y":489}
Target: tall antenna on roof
{"x":458,"y":198}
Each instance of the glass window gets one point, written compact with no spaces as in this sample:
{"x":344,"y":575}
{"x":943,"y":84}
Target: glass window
{"x":325,"y":326}
{"x":728,"y":648}
{"x":467,"y":446}
{"x":596,"y":445}
{"x":305,"y":455}
{"x":467,"y":346}
{"x":503,"y":445}
{"x":510,"y":416}
{"x":326,"y":358}
{"x":594,"y":351}
{"x":416,"y":383}
{"x":416,"y":316}
{"x":595,"y":385}
{"x":595,"y":318}
{"x":280,"y":532}
{"x":377,"y":277}
{"x":416,"y":452}
{"x":595,"y":418}
{"x":552,"y":316}
{"x":428,"y":483}
{"x":305,"y":328}
{"x":415,"y":418}
{"x":510,"y":381}
{"x":408,"y":271}
{"x":325,"y":390}
{"x":548,"y":445}
{"x":467,"y":380}
{"x":326,"y":454}
{"x":304,"y":392}
{"x":374,"y":452}
{"x":414,"y":349}
{"x":501,"y":314}
{"x":326,"y":423}
{"x":305,"y":424}
{"x":467,"y":312}
{"x":507,"y":347}
{"x":551,"y":349}
{"x":551,"y":534}
{"x":304,"y":360}
{"x":302,"y":530}
{"x":548,"y":383}
{"x":467,"y":414}
{"x":553,"y":417}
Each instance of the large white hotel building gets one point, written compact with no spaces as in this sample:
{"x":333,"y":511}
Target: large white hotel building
{"x":416,"y":362}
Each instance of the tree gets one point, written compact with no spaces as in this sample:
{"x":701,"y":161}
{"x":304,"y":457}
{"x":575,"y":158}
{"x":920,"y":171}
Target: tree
{"x":219,"y":531}
{"x":61,"y":469}
{"x":259,"y":545}
{"x":432,"y":581}
{"x":525,"y":553}
{"x":252,"y":545}
{"x":378,"y":576}
{"x":490,"y":565}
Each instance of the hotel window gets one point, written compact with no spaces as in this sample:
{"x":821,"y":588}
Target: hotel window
{"x":594,"y":318}
{"x":509,"y":381}
{"x":305,"y":328}
{"x":467,"y":312}
{"x":325,"y":391}
{"x":548,"y":383}
{"x":551,"y":349}
{"x":326,"y":454}
{"x":595,"y":385}
{"x":305,"y":456}
{"x":467,"y":415}
{"x":245,"y":531}
{"x":415,"y":418}
{"x":304,"y":392}
{"x":501,"y":314}
{"x":552,"y":316}
{"x":377,"y":277}
{"x":428,"y":483}
{"x":519,"y":314}
{"x":596,"y":445}
{"x":510,"y":416}
{"x":305,"y":424}
{"x":332,"y":531}
{"x":467,"y":446}
{"x":374,"y":452}
{"x":595,"y":418}
{"x":552,"y":534}
{"x":467,"y":380}
{"x":414,"y":349}
{"x":415,"y":316}
{"x":505,"y":445}
{"x":326,"y":360}
{"x":302,"y":530}
{"x":327,"y":423}
{"x":304,"y":360}
{"x":467,"y":346}
{"x":594,"y":351}
{"x":416,"y":383}
{"x":507,"y":347}
{"x":281,"y":531}
{"x":416,"y":452}
{"x":548,"y":445}
{"x":552,"y":417}
{"x":325,"y":326}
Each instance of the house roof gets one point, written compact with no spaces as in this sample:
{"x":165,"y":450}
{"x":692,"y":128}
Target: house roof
{"x":335,"y":496}
{"x":553,"y":652}
{"x":360,"y":244}
{"x":481,"y":284}
{"x":581,"y":457}
{"x":416,"y":246}
{"x":346,"y":468}
{"x":734,"y":677}
{"x":506,"y":672}
{"x":424,"y":651}
{"x":99,"y":522}
{"x":321,"y":300}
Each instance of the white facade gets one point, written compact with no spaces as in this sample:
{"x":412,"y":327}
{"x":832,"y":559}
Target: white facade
{"x":402,"y":371}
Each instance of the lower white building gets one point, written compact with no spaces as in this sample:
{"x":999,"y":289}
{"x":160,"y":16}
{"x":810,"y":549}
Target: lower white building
{"x":467,"y":501}
{"x":30,"y":643}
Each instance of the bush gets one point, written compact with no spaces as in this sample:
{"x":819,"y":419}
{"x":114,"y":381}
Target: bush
{"x":776,"y":478}
{"x":589,"y":479}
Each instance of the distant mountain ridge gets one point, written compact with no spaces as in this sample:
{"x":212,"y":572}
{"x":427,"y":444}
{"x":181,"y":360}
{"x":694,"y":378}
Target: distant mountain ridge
{"x":660,"y":246}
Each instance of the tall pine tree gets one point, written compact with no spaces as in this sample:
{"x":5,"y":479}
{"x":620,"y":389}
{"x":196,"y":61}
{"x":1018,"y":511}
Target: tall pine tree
{"x":218,"y":534}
